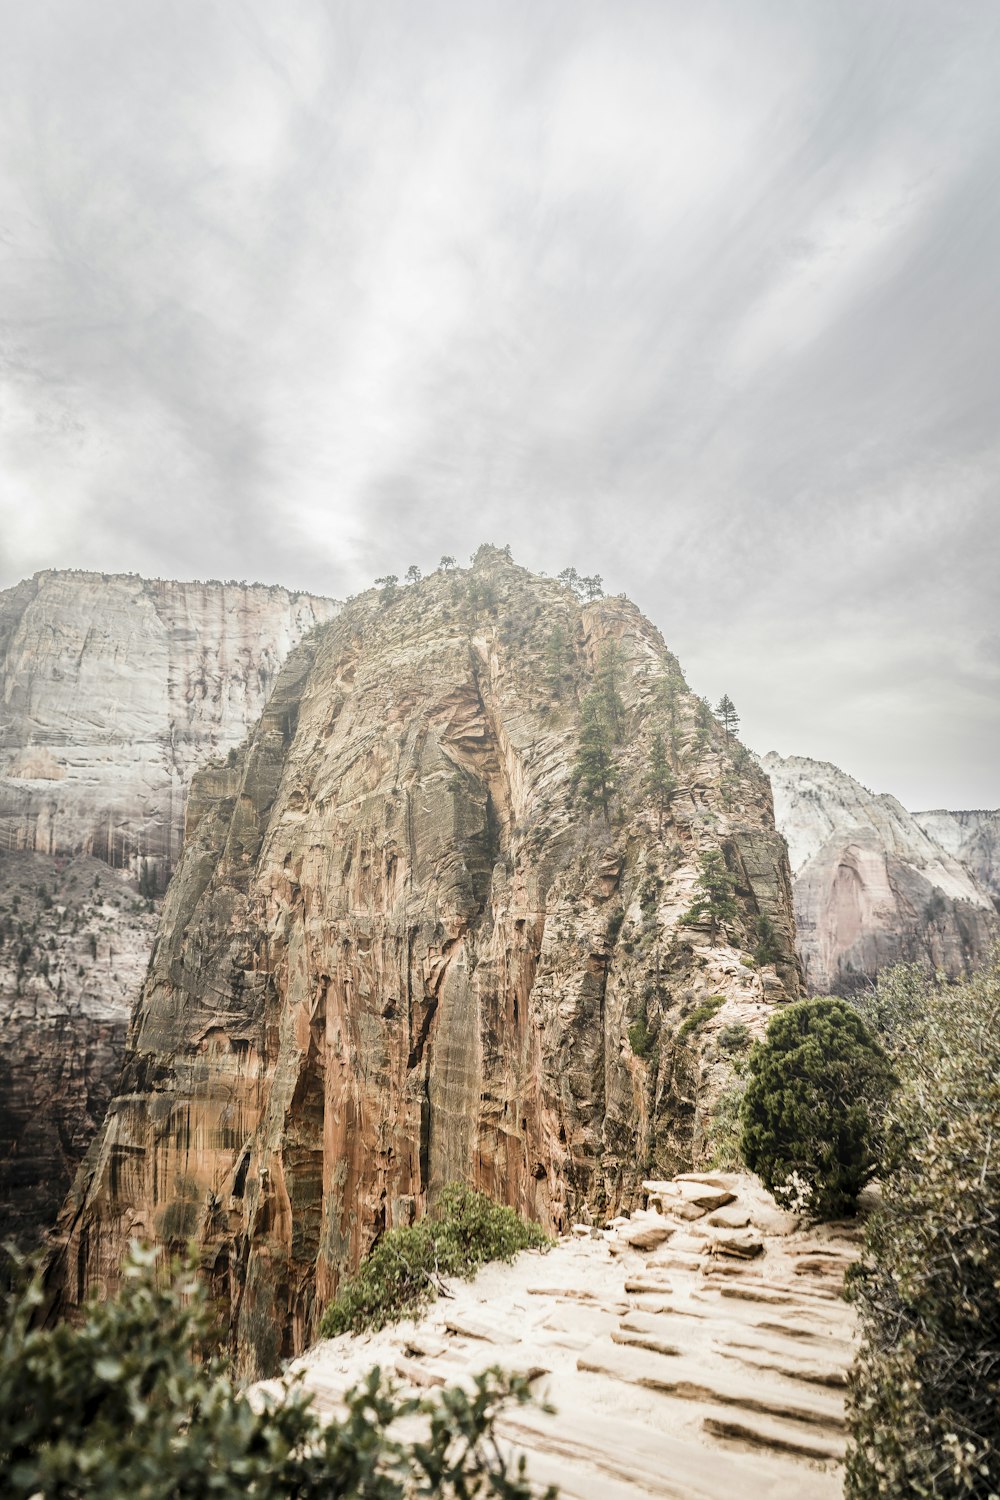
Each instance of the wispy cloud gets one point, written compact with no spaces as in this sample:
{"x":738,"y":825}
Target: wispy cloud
{"x":703,"y":297}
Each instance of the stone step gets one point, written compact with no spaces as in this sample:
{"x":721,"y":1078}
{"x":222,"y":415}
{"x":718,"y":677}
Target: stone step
{"x":478,"y":1328}
{"x":789,"y":1364}
{"x":762,"y":1431}
{"x":691,"y":1381}
{"x":673,"y":1468}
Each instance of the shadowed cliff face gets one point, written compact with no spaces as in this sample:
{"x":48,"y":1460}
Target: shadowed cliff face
{"x":398,"y":953}
{"x":876,"y":885}
{"x":112,"y":690}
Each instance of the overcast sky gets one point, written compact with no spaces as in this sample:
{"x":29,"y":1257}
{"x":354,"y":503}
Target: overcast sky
{"x":704,"y":297}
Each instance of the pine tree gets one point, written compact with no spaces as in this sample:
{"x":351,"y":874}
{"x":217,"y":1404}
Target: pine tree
{"x":593,"y":771}
{"x":609,"y":668}
{"x":725,"y":712}
{"x":413,"y":574}
{"x":558,"y":656}
{"x":713,"y":894}
{"x":660,"y":784}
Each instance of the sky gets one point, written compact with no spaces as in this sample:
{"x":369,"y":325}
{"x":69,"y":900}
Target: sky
{"x":700,"y":297}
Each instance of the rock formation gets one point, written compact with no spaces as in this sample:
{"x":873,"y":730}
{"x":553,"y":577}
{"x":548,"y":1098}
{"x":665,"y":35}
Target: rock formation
{"x":112,"y":690}
{"x":973,"y":838}
{"x":678,"y":1356}
{"x":399,"y":951}
{"x":874,"y":885}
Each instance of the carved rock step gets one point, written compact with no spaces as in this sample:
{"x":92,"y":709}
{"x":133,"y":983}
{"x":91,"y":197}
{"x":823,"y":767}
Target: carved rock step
{"x":657,"y":1463}
{"x":769,"y":1356}
{"x":692,"y":1380}
{"x":762,"y":1431}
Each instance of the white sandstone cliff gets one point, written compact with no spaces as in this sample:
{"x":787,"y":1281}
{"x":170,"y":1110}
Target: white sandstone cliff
{"x":872,"y":885}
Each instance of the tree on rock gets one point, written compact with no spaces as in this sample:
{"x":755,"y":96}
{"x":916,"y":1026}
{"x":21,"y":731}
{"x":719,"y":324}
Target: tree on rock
{"x":609,"y":671}
{"x":594,"y":770}
{"x":725,"y":712}
{"x":660,"y":783}
{"x":713,"y":894}
{"x":812,"y":1112}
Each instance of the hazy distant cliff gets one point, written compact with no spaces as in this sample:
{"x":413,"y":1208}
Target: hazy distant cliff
{"x":876,"y":885}
{"x":112,"y":690}
{"x":399,"y":950}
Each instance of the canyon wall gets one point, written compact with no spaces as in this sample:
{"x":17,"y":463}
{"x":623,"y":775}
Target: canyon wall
{"x":400,"y":950}
{"x":112,"y":690}
{"x":875,"y":885}
{"x":973,"y":838}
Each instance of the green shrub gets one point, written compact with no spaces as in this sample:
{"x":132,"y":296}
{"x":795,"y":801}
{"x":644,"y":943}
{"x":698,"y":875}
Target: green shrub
{"x":126,"y":1403}
{"x":724,"y":1133}
{"x":403,"y":1273}
{"x":925,"y":1387}
{"x":735,"y":1038}
{"x":640,"y":1038}
{"x":813,"y":1107}
{"x":704,"y":1012}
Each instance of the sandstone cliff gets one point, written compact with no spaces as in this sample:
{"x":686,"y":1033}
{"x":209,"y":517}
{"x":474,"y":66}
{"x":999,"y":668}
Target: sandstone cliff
{"x":398,"y":951}
{"x":873,"y":886}
{"x":112,"y":690}
{"x":973,"y":838}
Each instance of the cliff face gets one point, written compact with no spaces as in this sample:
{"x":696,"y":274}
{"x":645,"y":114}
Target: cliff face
{"x":873,"y":886}
{"x":112,"y":690}
{"x":973,"y":838}
{"x":398,"y":952}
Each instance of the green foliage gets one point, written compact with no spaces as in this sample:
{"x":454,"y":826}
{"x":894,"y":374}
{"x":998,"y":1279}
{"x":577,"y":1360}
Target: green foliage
{"x":812,"y":1115}
{"x":127,"y":1403}
{"x":768,"y":947}
{"x":593,"y":770}
{"x":640,"y":1038}
{"x":447,"y":563}
{"x":659,"y":784}
{"x":612,"y":709}
{"x":925,"y":1387}
{"x":714,"y":893}
{"x":702,"y":1013}
{"x":724,"y":1134}
{"x":583,"y":587}
{"x":735,"y":1038}
{"x":403,"y":1273}
{"x":725,"y":712}
{"x":558,"y":659}
{"x":413,"y":574}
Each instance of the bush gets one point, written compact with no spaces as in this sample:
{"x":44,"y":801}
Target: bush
{"x":702,"y":1013}
{"x":403,"y":1273}
{"x":813,"y":1107}
{"x":640,"y":1038}
{"x":123,"y":1405}
{"x":925,"y":1388}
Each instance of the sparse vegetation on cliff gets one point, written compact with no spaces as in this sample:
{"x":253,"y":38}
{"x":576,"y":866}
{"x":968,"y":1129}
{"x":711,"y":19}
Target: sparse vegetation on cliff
{"x":127,"y":1402}
{"x":403,"y":1273}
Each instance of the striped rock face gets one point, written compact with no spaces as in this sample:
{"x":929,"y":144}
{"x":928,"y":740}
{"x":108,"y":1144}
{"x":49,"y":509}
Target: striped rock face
{"x":399,"y":951}
{"x":113,"y":690}
{"x":876,"y":885}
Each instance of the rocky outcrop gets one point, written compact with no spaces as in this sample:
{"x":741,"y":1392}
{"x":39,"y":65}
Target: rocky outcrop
{"x":971,"y":837}
{"x":74,"y":944}
{"x":112,"y":690}
{"x":671,"y":1363}
{"x":399,"y":951}
{"x":873,"y":884}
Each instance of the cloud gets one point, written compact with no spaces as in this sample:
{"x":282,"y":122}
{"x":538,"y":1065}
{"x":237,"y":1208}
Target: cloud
{"x":699,"y":297}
